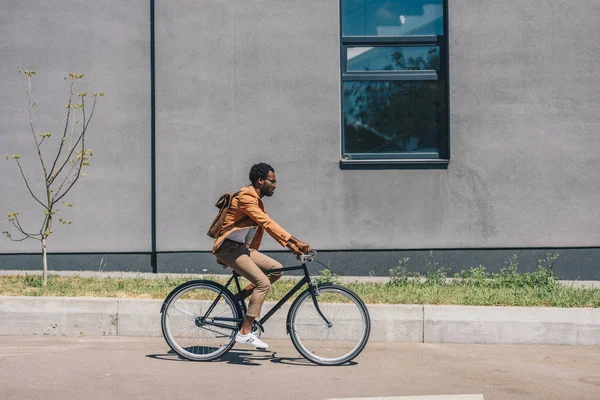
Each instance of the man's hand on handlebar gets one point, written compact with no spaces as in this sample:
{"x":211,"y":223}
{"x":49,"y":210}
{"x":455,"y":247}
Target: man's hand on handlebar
{"x":298,"y":247}
{"x":304,"y":247}
{"x":294,"y":248}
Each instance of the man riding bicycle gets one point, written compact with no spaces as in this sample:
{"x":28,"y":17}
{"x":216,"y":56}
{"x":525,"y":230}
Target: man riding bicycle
{"x":239,"y":238}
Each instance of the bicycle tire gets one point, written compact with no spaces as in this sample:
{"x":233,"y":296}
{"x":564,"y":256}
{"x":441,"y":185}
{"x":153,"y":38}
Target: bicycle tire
{"x":184,"y":332}
{"x":343,"y":339}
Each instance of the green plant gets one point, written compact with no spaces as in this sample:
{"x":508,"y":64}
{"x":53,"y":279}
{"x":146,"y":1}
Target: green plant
{"x":399,"y":275}
{"x":32,"y":281}
{"x":61,"y":170}
{"x":434,"y":274}
{"x":475,"y":277}
{"x":326,"y":275}
{"x":509,"y":276}
{"x":544,"y":275}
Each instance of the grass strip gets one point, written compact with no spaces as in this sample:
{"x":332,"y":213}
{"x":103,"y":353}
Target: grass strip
{"x":461,"y":292}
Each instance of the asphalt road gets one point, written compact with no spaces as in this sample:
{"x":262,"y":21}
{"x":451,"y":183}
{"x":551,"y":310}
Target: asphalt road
{"x":33,"y":367}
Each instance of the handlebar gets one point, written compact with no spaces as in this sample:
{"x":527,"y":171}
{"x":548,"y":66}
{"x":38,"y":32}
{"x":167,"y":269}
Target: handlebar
{"x":304,"y":258}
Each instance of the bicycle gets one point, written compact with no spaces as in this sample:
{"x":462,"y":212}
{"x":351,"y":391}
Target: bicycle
{"x":200,"y":319}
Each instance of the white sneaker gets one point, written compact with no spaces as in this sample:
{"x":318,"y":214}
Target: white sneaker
{"x":250,"y":339}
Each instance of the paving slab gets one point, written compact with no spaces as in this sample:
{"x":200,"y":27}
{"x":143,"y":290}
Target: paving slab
{"x":24,"y":315}
{"x":139,"y":317}
{"x":512,"y":325}
{"x":396,"y":323}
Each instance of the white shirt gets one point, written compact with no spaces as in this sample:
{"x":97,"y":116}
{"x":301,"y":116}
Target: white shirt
{"x":243,"y":235}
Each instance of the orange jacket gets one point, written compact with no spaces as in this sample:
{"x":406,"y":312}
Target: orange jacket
{"x":247,"y":210}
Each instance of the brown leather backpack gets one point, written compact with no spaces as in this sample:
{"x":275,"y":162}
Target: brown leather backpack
{"x":223,"y":205}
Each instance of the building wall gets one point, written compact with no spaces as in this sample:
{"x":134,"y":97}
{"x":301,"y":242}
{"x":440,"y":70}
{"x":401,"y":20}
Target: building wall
{"x":524,"y":98}
{"x":109,"y":42}
{"x":243,"y":82}
{"x":259,"y":80}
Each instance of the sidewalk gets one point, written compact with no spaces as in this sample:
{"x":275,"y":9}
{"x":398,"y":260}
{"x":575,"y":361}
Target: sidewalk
{"x":90,"y":316}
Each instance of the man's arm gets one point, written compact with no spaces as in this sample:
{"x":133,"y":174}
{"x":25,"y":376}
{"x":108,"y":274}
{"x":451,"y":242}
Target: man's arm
{"x":249,"y":205}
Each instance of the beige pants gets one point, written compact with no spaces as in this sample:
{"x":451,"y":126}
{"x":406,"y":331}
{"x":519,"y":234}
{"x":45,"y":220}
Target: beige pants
{"x":254,"y":266}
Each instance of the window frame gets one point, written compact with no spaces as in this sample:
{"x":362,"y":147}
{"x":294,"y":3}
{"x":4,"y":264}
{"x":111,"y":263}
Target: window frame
{"x":441,"y":41}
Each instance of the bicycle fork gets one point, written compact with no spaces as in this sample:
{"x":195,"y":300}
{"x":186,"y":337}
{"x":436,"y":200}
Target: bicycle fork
{"x":314,"y":292}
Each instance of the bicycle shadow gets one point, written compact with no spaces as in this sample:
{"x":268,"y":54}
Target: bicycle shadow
{"x":247,"y":358}
{"x":232,"y":357}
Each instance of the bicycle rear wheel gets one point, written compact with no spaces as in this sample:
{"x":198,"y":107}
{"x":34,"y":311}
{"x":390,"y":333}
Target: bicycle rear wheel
{"x":199,"y":320}
{"x":339,"y":338}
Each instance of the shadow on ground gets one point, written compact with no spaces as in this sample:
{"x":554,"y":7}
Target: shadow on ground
{"x":245,"y":357}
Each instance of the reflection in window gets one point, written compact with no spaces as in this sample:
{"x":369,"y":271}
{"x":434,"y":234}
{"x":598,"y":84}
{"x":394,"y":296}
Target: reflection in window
{"x":394,"y":117}
{"x":392,"y":18}
{"x":393,"y":58}
{"x":394,"y":75}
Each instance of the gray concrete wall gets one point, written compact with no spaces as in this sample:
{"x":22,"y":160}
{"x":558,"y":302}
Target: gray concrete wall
{"x":109,"y":41}
{"x":239,"y":83}
{"x":524,"y":98}
{"x":245,"y":82}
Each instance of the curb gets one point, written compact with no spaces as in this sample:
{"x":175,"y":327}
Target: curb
{"x":91,"y":316}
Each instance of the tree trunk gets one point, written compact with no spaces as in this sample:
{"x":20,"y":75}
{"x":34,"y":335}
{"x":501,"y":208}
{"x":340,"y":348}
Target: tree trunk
{"x":44,"y":263}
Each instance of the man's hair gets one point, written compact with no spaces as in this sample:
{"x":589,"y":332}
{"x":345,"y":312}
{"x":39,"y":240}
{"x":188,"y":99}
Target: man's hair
{"x":260,"y":170}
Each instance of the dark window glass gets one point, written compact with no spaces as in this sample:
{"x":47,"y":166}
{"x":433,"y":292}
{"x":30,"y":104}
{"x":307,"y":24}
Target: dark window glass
{"x":386,"y":58}
{"x":392,"y":18}
{"x":394,"y":117}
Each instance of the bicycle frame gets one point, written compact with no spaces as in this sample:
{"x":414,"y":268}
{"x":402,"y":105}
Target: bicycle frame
{"x":304,"y":281}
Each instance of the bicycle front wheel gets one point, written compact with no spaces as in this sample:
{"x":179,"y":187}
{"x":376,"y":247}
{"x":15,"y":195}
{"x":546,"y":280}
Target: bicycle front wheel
{"x":332,"y":330}
{"x":200,"y":320}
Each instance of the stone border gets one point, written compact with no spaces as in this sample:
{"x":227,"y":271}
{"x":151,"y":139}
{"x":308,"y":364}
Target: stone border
{"x":89,"y":316}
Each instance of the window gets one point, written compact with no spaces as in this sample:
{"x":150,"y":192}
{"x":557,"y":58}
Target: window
{"x":394,"y":81}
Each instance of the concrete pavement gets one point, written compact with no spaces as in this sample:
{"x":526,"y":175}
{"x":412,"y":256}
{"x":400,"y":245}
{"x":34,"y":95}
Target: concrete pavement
{"x":69,"y":368}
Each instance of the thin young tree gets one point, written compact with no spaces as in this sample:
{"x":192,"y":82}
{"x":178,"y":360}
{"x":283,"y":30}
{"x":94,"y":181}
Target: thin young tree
{"x":61,"y":165}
